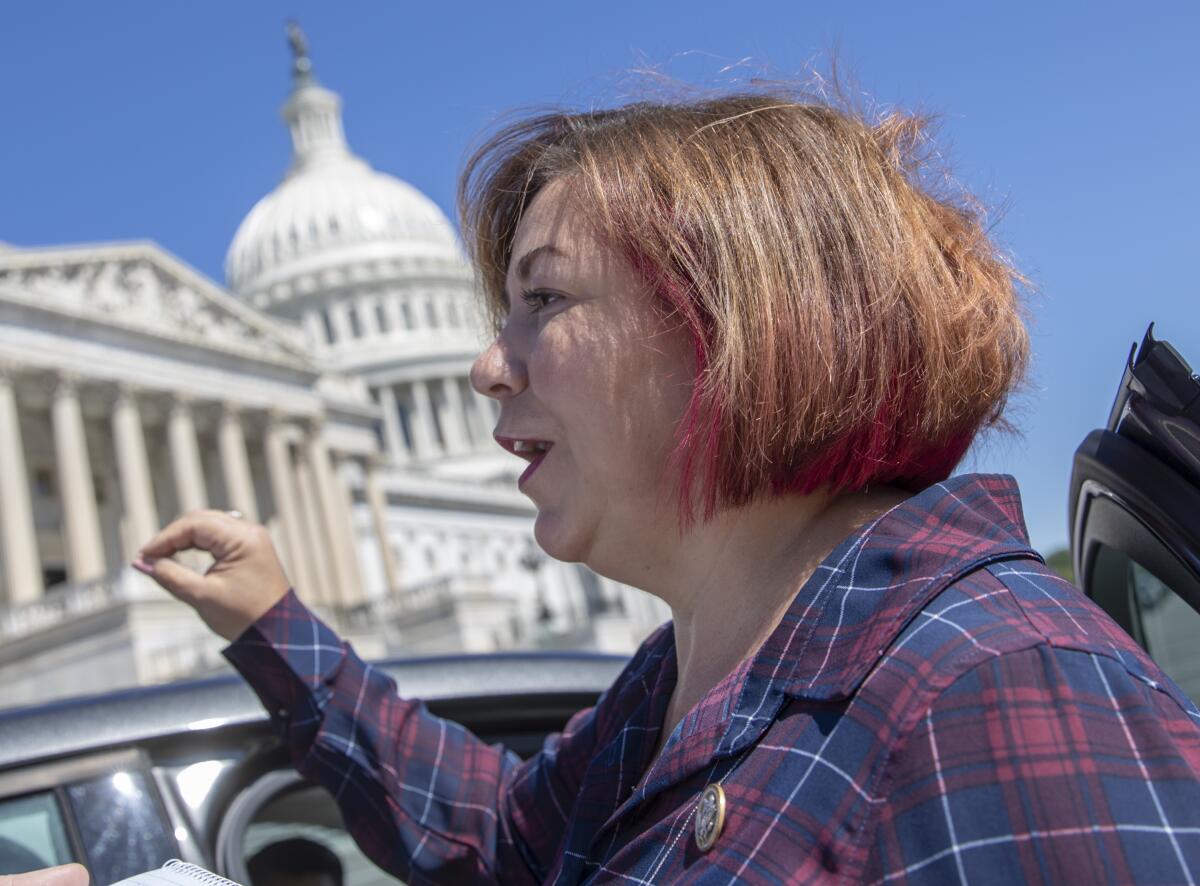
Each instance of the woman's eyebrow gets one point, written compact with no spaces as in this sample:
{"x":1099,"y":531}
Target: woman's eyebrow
{"x":525,"y":262}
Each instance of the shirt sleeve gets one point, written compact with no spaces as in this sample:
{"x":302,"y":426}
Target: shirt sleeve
{"x":424,"y":798}
{"x":1045,"y":765}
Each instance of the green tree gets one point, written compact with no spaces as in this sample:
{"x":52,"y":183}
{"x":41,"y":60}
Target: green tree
{"x":1060,"y":562}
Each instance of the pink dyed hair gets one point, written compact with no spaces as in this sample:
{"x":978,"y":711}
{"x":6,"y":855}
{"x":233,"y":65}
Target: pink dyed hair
{"x":851,"y":326}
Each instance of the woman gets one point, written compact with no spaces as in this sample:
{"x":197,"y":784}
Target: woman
{"x":742,"y":345}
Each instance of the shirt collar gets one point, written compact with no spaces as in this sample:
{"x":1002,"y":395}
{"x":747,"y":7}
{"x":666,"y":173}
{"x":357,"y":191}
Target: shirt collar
{"x":863,"y":594}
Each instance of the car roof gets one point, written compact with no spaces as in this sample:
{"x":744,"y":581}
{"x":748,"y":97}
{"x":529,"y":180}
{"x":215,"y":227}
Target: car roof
{"x":123,"y":717}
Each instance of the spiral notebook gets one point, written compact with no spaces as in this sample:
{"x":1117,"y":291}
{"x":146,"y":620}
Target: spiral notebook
{"x":176,"y":873}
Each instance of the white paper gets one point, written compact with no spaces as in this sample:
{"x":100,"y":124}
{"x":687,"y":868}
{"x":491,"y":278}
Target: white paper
{"x":176,"y":873}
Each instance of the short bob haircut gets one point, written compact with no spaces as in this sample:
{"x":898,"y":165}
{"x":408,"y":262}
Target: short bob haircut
{"x":851,"y":325}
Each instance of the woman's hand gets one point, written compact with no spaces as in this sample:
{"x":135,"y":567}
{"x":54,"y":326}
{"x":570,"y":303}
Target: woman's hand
{"x":246,"y":580}
{"x":62,"y":875}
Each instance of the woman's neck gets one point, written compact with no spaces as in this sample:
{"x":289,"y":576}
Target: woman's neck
{"x":731,"y":581}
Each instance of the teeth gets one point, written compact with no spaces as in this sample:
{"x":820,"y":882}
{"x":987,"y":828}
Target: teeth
{"x":529,"y":446}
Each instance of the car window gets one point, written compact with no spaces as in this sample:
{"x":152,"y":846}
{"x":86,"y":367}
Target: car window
{"x":1170,"y":628}
{"x":122,"y":825}
{"x":1163,"y":622}
{"x":32,"y":834}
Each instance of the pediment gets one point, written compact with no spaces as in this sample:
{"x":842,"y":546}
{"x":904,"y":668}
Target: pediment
{"x":142,"y":288}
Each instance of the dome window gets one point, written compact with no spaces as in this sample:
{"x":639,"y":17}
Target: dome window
{"x":381,"y":317}
{"x":431,"y":314}
{"x":327,"y":321}
{"x":313,"y":232}
{"x":437,"y":404}
{"x":404,"y":414}
{"x":333,"y":225}
{"x":356,"y":329}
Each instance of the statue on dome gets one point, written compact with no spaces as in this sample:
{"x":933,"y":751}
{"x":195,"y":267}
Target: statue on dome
{"x":301,"y":64}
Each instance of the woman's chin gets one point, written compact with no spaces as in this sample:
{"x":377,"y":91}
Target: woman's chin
{"x":558,"y":538}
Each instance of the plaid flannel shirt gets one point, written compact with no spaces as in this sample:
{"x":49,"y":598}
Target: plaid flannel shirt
{"x":936,"y":706}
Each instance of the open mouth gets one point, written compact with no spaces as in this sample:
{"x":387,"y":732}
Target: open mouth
{"x":532,"y":450}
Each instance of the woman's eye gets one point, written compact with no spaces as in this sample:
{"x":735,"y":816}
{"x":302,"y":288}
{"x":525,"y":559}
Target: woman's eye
{"x":536,"y":299}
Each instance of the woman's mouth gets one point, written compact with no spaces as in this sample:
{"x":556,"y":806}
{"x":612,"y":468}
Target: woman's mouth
{"x":532,"y":450}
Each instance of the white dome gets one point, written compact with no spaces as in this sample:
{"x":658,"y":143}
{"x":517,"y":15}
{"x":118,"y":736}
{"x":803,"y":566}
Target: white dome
{"x":327,"y":210}
{"x":332,"y":209}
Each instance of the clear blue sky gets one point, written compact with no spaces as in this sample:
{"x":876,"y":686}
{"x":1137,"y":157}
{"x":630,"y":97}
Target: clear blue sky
{"x":156,"y":120}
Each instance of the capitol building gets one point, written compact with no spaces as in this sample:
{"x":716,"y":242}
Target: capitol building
{"x":322,"y":391}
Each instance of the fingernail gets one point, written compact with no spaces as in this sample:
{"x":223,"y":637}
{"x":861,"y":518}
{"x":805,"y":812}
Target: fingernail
{"x":143,"y":566}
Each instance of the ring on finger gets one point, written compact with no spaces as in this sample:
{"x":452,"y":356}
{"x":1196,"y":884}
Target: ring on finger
{"x":237,"y":515}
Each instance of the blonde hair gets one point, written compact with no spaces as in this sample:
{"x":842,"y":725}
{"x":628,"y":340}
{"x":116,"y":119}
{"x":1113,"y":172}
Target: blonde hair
{"x":851,"y":325}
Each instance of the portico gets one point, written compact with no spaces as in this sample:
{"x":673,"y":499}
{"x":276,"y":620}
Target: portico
{"x":99,"y":450}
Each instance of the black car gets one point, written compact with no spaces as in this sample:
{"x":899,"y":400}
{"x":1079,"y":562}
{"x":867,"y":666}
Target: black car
{"x":126,"y":781}
{"x":1135,"y":510}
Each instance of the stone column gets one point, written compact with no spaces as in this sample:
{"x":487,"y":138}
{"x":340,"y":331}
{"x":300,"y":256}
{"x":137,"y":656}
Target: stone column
{"x":185,"y":457}
{"x":343,"y":499}
{"x":85,"y":544}
{"x":339,"y":316}
{"x":343,"y":556}
{"x":235,"y":463}
{"x":283,"y":490}
{"x":441,"y":304}
{"x":483,"y":411}
{"x":393,"y":435}
{"x":314,"y":330}
{"x":368,"y":320}
{"x":421,"y":421}
{"x":137,"y":488}
{"x":318,"y":545}
{"x":416,"y":319}
{"x":391,"y":307}
{"x":375,"y":500}
{"x":22,"y":564}
{"x":477,"y":432}
{"x":454,"y":421}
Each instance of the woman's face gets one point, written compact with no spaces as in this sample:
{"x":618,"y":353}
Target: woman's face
{"x":587,"y":369}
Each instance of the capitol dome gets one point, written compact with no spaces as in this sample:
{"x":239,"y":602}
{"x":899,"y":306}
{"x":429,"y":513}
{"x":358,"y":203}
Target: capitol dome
{"x":333,"y":216}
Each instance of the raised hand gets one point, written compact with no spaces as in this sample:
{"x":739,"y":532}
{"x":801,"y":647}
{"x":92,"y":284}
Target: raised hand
{"x":245,"y":580}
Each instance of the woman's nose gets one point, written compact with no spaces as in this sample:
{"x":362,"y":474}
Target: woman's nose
{"x":498,"y":372}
